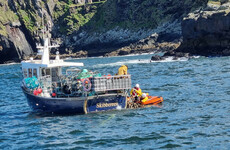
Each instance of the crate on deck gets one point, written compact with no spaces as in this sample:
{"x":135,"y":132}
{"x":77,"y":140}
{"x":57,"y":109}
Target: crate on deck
{"x":110,"y":83}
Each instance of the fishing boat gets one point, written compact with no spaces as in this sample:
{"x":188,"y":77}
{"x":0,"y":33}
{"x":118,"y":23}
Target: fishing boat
{"x":62,"y":87}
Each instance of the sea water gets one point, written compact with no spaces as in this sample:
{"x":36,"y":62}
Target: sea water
{"x":194,"y":114}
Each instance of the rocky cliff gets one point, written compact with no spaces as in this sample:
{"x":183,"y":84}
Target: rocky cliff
{"x":14,"y":45}
{"x":93,"y":27}
{"x":207,"y":32}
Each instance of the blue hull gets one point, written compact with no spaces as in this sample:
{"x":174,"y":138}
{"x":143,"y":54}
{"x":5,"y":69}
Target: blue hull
{"x":81,"y":105}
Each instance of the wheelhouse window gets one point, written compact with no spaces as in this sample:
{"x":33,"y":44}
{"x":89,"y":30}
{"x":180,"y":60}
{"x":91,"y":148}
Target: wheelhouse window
{"x":45,"y":72}
{"x":30,"y":72}
{"x":25,"y":73}
{"x":55,"y":74}
{"x":35,"y":72}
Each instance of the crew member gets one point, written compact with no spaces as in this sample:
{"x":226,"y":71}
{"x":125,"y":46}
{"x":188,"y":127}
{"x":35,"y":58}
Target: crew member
{"x":136,"y":92}
{"x":123,"y":70}
{"x":144,"y":97}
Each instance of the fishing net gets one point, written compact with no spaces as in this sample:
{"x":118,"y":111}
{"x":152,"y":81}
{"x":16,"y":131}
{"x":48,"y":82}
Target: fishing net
{"x":84,"y":75}
{"x":31,"y":83}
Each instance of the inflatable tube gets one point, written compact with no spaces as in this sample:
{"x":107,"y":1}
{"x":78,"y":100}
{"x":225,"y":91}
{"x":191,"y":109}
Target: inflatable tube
{"x":153,"y":100}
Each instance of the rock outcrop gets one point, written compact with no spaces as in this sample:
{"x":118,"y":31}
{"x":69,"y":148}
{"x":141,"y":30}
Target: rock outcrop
{"x":14,"y":45}
{"x":207,"y":32}
{"x":165,"y":37}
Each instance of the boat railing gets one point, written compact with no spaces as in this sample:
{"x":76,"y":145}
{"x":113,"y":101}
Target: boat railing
{"x":71,"y":86}
{"x":111,"y":83}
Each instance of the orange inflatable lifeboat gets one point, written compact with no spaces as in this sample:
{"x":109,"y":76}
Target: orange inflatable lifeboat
{"x":153,"y":100}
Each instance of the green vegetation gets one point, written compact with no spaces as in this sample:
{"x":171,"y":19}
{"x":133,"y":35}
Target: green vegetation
{"x":6,"y":16}
{"x":28,"y":19}
{"x":71,"y":17}
{"x":140,"y":13}
{"x":27,"y":14}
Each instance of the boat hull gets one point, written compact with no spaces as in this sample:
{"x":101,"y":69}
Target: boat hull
{"x":81,"y":105}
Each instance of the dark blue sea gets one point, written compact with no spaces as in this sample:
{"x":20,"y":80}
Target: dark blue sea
{"x":195,"y":113}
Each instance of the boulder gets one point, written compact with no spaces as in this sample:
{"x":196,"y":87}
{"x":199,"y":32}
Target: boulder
{"x":122,"y":52}
{"x":157,"y":58}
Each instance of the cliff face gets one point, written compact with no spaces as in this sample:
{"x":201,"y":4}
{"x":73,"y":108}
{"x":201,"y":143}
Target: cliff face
{"x":13,"y":44}
{"x":207,"y":32}
{"x":96,"y":27}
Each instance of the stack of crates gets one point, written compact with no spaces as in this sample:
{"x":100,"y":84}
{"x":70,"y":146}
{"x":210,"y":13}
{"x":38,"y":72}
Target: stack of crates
{"x":98,"y":84}
{"x":110,"y":83}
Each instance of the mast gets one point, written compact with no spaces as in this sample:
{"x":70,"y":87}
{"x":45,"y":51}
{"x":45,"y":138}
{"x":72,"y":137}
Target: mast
{"x":45,"y":54}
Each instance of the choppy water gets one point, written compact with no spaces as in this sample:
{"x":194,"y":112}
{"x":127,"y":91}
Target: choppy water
{"x":194,"y":115}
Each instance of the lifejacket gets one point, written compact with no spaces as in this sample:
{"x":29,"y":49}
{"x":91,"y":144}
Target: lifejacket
{"x":144,"y":99}
{"x":136,"y":92}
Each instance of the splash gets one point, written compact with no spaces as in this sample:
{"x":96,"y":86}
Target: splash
{"x":118,"y":107}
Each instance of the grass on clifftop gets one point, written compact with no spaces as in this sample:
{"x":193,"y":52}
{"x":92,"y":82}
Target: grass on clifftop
{"x":27,"y":14}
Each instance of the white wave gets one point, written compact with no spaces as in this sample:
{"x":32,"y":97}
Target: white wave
{"x":119,"y":63}
{"x":125,"y":55}
{"x":195,"y":57}
{"x":171,"y":59}
{"x":9,"y":64}
{"x":139,"y":54}
{"x":71,"y":58}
